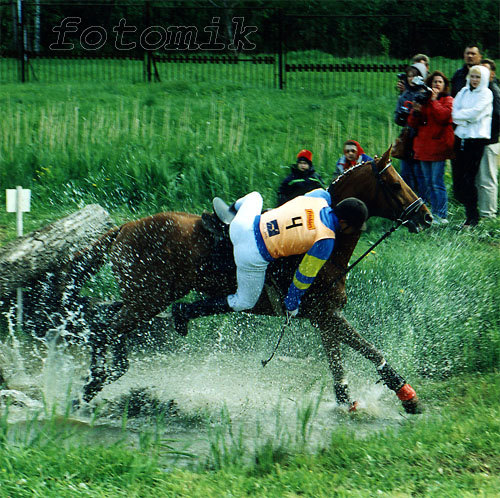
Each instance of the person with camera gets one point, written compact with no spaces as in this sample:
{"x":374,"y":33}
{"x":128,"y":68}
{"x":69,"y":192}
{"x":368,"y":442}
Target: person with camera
{"x":402,"y":83}
{"x":410,"y":169}
{"x":434,"y":140}
{"x":472,"y":111}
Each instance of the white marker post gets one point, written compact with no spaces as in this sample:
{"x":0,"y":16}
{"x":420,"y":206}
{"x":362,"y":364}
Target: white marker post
{"x":18,"y":201}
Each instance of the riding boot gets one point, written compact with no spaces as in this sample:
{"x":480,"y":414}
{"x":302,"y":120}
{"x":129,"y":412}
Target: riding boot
{"x":183,"y":312}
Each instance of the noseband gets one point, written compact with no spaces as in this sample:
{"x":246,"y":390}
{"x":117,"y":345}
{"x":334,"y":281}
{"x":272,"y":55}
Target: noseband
{"x":406,"y":213}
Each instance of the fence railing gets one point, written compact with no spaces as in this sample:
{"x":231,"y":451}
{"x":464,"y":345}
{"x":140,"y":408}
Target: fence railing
{"x":56,"y":42}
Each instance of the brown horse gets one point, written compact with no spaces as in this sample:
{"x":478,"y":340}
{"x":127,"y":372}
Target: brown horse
{"x":161,"y":258}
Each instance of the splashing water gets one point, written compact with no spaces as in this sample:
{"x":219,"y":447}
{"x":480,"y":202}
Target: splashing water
{"x":291,"y":398}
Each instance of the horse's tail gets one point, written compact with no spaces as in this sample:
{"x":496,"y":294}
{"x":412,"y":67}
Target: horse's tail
{"x":86,"y":263}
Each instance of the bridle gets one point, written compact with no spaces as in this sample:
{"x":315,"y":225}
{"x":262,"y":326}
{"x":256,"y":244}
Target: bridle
{"x":405,"y":213}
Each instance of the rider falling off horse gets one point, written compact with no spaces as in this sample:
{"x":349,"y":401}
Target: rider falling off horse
{"x":305,"y":225}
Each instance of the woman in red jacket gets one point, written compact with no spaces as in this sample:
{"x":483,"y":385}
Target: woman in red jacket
{"x":434,"y":141}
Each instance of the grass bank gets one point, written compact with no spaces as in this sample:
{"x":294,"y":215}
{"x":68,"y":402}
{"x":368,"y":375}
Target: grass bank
{"x":146,"y":148}
{"x":451,"y":450}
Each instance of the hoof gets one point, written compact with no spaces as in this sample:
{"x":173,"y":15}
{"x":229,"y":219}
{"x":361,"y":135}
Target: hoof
{"x":92,"y":389}
{"x":353,"y":407}
{"x":413,"y":406}
{"x":409,"y":399}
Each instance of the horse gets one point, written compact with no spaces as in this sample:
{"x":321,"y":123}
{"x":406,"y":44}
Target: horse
{"x":161,"y":258}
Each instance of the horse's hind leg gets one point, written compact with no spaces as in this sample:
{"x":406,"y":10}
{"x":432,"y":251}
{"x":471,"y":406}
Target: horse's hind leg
{"x":98,"y":375}
{"x":104,"y":336}
{"x":343,"y":331}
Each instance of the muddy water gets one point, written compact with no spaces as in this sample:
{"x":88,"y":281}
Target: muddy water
{"x":199,"y":394}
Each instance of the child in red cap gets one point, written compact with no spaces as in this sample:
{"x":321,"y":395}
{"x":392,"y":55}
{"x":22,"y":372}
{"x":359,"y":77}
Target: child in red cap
{"x":303,"y":178}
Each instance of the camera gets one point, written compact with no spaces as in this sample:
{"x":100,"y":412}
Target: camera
{"x":401,"y":76}
{"x":403,"y":112}
{"x":424,"y":92}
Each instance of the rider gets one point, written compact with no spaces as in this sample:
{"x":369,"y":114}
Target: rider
{"x":304,"y":225}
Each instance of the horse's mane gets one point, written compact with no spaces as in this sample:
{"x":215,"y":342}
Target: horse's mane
{"x":349,"y":172}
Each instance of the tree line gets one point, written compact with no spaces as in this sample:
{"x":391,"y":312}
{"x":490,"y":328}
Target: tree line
{"x":355,"y":28}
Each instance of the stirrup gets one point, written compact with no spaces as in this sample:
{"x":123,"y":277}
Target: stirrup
{"x":224,"y":212}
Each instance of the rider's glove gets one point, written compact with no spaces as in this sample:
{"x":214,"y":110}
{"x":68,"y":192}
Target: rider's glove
{"x":291,"y":314}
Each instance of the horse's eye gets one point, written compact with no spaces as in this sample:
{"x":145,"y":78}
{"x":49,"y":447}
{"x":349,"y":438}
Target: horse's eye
{"x":396,"y":186}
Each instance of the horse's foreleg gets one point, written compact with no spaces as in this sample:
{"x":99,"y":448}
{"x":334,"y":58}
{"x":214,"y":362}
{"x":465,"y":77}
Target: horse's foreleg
{"x":343,"y":331}
{"x":334,"y":355}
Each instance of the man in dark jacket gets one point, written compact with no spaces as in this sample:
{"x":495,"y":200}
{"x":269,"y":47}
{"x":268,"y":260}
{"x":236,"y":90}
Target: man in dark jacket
{"x":472,"y":57}
{"x":487,"y":176}
{"x":302,"y":179}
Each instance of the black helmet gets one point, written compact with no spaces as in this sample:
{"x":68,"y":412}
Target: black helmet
{"x":353,"y":211}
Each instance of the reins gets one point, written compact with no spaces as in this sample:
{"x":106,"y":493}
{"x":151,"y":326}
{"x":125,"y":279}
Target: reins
{"x":401,"y":220}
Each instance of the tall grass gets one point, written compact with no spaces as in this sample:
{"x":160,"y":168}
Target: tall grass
{"x":162,"y":148}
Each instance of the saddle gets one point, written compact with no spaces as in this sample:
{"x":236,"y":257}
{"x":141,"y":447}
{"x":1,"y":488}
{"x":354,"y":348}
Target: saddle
{"x":222,"y":258}
{"x":222,"y":249}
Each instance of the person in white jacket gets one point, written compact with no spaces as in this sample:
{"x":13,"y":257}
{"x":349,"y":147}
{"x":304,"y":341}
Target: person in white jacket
{"x":472,"y":110}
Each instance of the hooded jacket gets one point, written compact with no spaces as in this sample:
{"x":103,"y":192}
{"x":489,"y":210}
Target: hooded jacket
{"x":472,"y":108}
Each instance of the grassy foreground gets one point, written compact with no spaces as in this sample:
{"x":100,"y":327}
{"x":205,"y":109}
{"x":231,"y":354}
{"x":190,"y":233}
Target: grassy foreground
{"x":451,"y":450}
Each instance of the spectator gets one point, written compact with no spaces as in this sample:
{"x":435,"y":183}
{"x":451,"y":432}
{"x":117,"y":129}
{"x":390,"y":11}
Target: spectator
{"x":424,"y":59}
{"x":301,"y":180}
{"x":472,"y":57}
{"x":472,"y":109}
{"x":433,"y":143}
{"x":410,"y":168}
{"x":353,"y":155}
{"x":487,"y":177}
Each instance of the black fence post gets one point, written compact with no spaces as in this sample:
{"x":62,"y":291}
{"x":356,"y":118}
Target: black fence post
{"x":280,"y":49}
{"x":21,"y":40}
{"x":147,"y":22}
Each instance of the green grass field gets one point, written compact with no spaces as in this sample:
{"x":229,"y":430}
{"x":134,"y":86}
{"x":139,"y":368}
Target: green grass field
{"x":428,"y":300}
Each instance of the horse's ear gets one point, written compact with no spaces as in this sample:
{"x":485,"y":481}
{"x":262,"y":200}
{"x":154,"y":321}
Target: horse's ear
{"x":382,"y":162}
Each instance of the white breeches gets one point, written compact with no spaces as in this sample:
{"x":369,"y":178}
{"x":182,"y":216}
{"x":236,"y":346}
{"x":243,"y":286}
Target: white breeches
{"x":250,"y":265}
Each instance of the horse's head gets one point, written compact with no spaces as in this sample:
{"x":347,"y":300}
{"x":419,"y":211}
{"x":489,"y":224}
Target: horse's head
{"x":384,"y":192}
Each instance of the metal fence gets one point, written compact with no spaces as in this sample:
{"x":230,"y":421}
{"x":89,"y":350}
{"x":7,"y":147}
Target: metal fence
{"x":147,"y":41}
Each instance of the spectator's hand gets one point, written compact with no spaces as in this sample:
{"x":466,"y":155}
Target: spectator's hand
{"x":417,"y":107}
{"x":400,"y":86}
{"x":435,"y":93}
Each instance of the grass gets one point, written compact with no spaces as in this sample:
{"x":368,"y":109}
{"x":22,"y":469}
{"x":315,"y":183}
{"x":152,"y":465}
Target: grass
{"x":453,"y":450}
